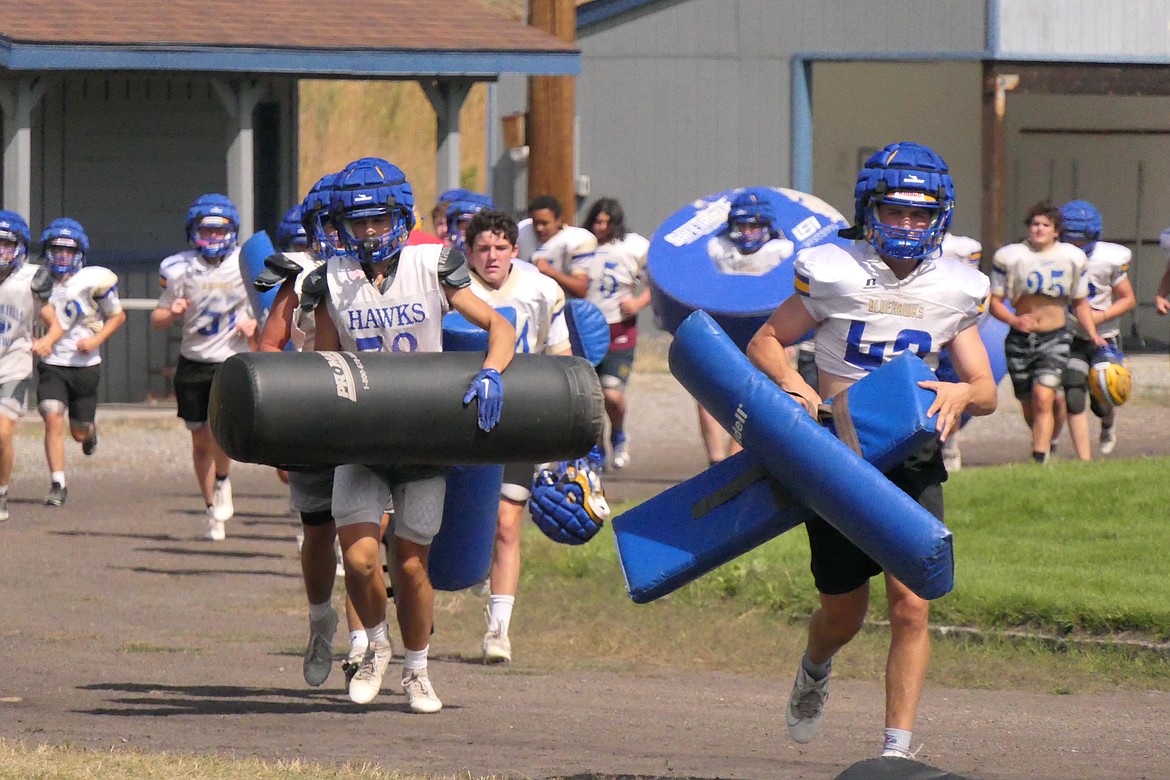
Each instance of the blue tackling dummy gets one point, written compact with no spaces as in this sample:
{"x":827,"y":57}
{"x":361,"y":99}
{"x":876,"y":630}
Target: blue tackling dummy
{"x":791,"y":468}
{"x":253,"y":253}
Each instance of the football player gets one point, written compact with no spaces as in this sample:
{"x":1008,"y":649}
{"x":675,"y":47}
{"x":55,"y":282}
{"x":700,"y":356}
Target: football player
{"x":1110,"y":295}
{"x":751,"y":245}
{"x":459,"y":214}
{"x":87,"y":305}
{"x":22,"y":305}
{"x":203,"y":292}
{"x":1040,"y":277}
{"x":904,"y":202}
{"x":616,"y":274}
{"x":372,"y":208}
{"x":501,"y":280}
{"x":562,"y":251}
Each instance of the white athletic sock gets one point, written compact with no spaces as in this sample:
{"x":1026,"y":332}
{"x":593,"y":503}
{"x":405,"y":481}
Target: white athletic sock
{"x":358,"y":641}
{"x":378,"y":635}
{"x":58,"y":477}
{"x":318,"y":611}
{"x":500,"y":613}
{"x":897,"y":739}
{"x":416,"y":659}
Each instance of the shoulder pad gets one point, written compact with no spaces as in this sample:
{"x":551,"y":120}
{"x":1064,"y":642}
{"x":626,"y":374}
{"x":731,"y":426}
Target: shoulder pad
{"x":42,"y":282}
{"x":453,"y":268}
{"x":314,"y":288}
{"x":277,"y":269}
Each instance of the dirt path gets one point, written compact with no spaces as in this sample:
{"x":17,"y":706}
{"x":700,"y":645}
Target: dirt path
{"x":119,"y":628}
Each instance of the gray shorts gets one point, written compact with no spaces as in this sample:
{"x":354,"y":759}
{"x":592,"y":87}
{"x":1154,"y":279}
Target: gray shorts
{"x":361,"y":494}
{"x":311,"y":491}
{"x":14,"y":398}
{"x":1036,"y":359}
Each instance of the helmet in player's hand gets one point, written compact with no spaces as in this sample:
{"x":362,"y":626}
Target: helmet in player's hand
{"x":1110,"y":380}
{"x":568,"y":502}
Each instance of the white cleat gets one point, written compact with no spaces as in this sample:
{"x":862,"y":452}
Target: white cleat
{"x":215,"y":530}
{"x":221,"y":500}
{"x":806,"y":706}
{"x":367,"y":682}
{"x":420,"y":694}
{"x":1108,"y":439}
{"x":319,"y":654}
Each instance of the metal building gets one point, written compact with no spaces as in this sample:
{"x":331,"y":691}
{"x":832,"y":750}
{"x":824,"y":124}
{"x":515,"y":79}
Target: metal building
{"x":1026,"y":99}
{"x":119,"y":113}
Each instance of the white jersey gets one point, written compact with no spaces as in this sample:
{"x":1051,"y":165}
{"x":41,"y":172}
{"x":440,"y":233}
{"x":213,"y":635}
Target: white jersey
{"x":1108,"y":267}
{"x":217,"y":300}
{"x":539,"y":303}
{"x":304,"y":324}
{"x":1057,"y":272}
{"x":407,"y":317}
{"x":616,"y":269}
{"x":526,"y":240}
{"x":730,"y":260}
{"x":962,"y":248}
{"x":83,"y":303}
{"x":19,"y":311}
{"x":866,"y":315}
{"x":569,"y":250}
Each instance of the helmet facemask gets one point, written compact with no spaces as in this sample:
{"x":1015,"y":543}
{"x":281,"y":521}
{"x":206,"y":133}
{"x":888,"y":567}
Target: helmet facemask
{"x":903,"y":243}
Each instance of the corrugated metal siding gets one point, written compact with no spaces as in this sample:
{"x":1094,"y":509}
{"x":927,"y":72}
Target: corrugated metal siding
{"x":1118,"y":30}
{"x":680,"y":99}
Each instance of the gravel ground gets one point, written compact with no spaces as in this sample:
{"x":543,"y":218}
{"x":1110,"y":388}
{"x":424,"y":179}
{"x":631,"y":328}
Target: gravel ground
{"x":120,"y":628}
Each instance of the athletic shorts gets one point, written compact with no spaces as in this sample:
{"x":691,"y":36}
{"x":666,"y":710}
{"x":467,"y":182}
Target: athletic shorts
{"x":76,"y":387}
{"x":312,"y":495}
{"x":362,"y":493}
{"x":193,"y":390}
{"x":839,"y":566}
{"x":14,"y":398}
{"x":518,"y":481}
{"x":615,"y":368}
{"x":1036,"y":358}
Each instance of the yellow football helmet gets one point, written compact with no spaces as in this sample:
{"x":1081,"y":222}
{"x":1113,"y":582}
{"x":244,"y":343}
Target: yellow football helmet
{"x":1110,"y":380}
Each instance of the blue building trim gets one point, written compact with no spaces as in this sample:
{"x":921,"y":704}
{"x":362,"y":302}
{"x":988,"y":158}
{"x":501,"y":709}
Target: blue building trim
{"x":802,"y":125}
{"x":299,"y":62}
{"x":598,"y":11}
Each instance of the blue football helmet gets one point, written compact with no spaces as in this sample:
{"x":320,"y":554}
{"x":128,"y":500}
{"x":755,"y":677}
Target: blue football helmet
{"x":372,"y":187}
{"x":907,"y":174}
{"x":13,"y":228}
{"x":315,"y":216}
{"x":750,"y":221}
{"x":458,"y":214}
{"x":215,"y":210}
{"x":291,"y":236}
{"x":64,"y":244}
{"x":1081,"y":223}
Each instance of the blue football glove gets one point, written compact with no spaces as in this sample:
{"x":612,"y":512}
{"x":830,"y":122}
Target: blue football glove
{"x":487,"y":389}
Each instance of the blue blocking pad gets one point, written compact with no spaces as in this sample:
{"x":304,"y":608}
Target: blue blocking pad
{"x":733,"y":507}
{"x":588,"y":330}
{"x":461,"y":335}
{"x":821,"y":473}
{"x":683,"y":277}
{"x":461,"y":553}
{"x":253,"y":253}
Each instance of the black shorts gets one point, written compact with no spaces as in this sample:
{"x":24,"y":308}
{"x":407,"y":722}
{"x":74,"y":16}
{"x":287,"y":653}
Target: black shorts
{"x":74,"y":386}
{"x":839,"y":566}
{"x":1036,"y":358}
{"x":193,"y":388}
